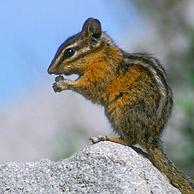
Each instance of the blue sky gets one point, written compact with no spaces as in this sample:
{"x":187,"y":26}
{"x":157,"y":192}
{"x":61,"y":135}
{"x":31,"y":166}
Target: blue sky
{"x":31,"y":31}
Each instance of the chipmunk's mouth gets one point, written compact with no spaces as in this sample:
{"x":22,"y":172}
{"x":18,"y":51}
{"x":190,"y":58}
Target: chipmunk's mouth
{"x":71,"y":77}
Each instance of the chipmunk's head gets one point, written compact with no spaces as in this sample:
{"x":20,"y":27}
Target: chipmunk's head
{"x":77,"y":51}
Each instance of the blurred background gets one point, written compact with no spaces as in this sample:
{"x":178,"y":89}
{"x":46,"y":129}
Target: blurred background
{"x":36,"y":123}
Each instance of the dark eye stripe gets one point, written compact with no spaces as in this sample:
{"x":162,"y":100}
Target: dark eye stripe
{"x":61,"y":56}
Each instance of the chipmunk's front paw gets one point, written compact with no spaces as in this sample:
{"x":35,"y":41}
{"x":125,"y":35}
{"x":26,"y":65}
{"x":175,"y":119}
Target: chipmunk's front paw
{"x":56,"y":87}
{"x":60,"y":84}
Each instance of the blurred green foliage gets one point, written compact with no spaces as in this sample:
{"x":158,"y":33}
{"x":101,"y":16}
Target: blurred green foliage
{"x":71,"y":140}
{"x":189,"y":58}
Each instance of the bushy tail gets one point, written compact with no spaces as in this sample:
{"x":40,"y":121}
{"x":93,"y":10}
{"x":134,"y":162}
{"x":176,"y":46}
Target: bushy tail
{"x":160,"y":161}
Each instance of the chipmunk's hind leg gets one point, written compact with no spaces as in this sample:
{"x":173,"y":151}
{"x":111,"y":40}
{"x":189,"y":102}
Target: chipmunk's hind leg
{"x":114,"y":139}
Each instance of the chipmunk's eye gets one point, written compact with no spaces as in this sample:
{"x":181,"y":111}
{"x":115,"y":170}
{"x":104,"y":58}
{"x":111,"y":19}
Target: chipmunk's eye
{"x":68,"y":53}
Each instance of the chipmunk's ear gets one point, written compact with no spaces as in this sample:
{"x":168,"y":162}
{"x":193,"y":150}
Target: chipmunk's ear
{"x":92,"y":27}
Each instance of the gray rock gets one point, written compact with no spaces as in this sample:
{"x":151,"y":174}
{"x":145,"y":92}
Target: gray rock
{"x":101,"y":168}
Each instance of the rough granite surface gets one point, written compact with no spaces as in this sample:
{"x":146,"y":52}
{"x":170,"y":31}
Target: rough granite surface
{"x":101,"y":168}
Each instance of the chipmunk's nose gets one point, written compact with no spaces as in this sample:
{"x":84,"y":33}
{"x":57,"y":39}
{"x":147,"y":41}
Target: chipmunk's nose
{"x":50,"y":70}
{"x":53,"y":70}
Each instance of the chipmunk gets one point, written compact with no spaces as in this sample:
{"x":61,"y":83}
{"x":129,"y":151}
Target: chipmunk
{"x":132,"y":87}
